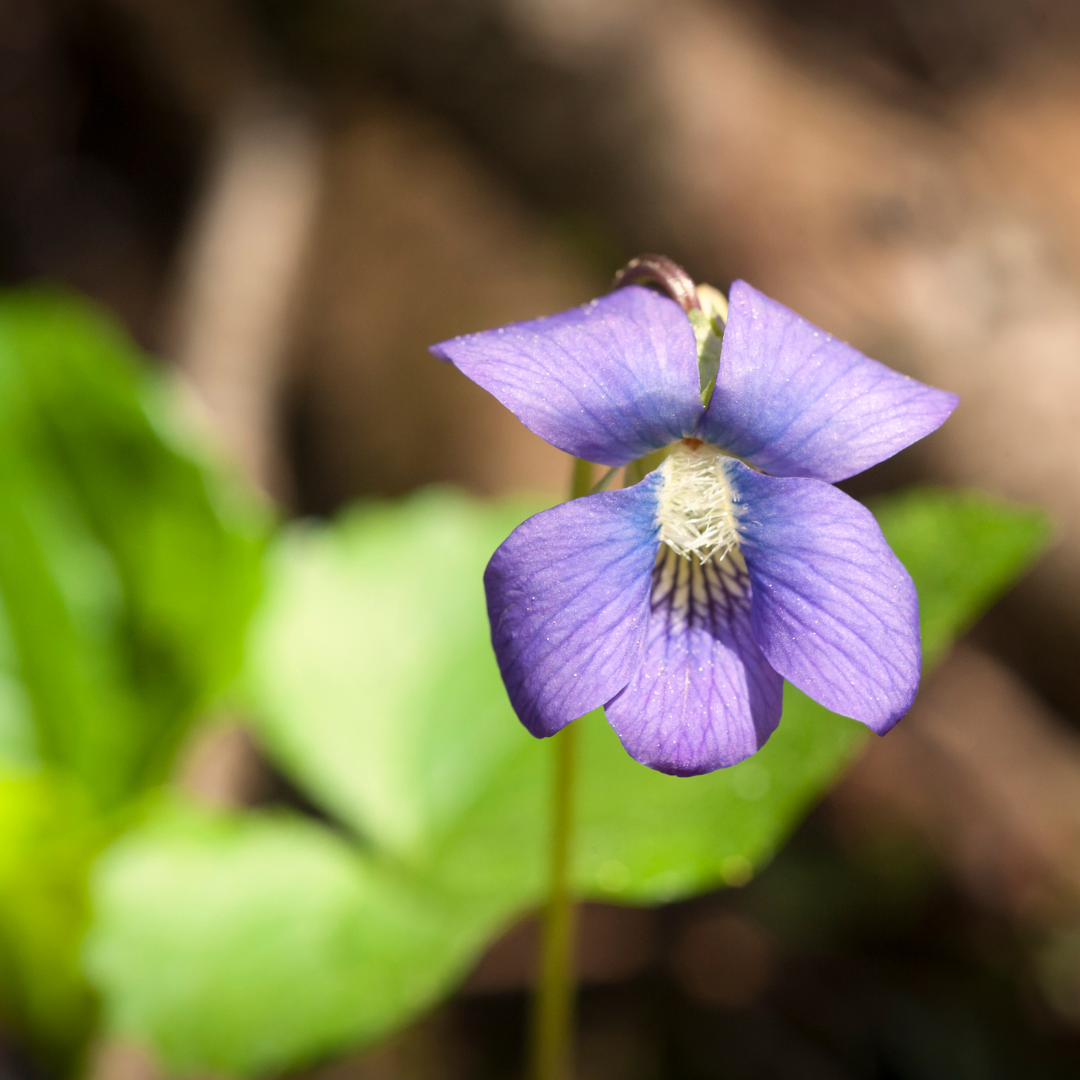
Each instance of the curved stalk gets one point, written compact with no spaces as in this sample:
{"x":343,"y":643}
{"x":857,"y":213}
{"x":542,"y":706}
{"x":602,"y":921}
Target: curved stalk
{"x":553,"y":1008}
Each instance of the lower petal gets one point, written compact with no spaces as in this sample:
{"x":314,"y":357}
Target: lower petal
{"x":834,"y":609}
{"x":568,"y":600}
{"x":704,"y":696}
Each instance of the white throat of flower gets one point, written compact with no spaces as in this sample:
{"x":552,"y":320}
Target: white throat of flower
{"x":695,"y":509}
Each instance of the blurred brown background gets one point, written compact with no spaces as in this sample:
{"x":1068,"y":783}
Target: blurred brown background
{"x":288,"y":201}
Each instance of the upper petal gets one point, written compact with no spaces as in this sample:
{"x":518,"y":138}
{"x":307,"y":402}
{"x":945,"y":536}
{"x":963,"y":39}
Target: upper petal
{"x":795,"y":401}
{"x":609,"y":381}
{"x":568,"y":599}
{"x":834,"y":610}
{"x":704,"y":696}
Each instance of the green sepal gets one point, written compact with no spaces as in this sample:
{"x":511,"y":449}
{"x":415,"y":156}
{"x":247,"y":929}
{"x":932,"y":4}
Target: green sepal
{"x":708,"y":324}
{"x":709,"y":333}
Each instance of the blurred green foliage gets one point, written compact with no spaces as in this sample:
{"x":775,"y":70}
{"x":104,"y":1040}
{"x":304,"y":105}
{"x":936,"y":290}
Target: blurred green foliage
{"x":127,"y":576}
{"x":247,"y":943}
{"x":49,"y":836}
{"x":281,"y":940}
{"x":125,"y":585}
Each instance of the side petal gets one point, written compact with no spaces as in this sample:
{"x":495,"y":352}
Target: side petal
{"x":704,"y":696}
{"x":609,"y":382}
{"x":795,"y":401}
{"x":834,"y":610}
{"x":568,"y":600}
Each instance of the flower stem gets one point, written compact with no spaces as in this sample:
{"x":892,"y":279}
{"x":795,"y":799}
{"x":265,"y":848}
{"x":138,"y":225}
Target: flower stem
{"x":581,"y":478}
{"x":554,"y":1003}
{"x":553,"y":1006}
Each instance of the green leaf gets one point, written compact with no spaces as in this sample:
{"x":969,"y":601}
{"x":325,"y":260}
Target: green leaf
{"x":126,"y":576}
{"x":376,"y":691}
{"x":48,"y":838}
{"x":258,"y":942}
{"x":371,"y":667}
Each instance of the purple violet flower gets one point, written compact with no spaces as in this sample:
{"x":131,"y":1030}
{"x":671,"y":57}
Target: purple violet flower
{"x":682,"y":602}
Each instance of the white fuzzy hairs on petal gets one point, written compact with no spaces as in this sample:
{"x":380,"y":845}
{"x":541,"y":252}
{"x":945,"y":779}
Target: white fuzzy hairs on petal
{"x":694,"y":509}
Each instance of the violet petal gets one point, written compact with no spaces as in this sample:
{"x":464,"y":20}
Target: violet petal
{"x":568,"y":600}
{"x":704,"y":696}
{"x":833,"y":610}
{"x":795,"y":401}
{"x":608,"y":382}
